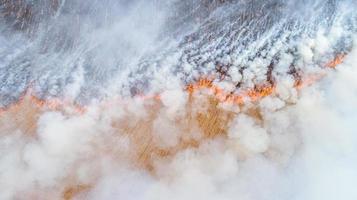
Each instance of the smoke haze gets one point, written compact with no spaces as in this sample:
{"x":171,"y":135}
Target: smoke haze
{"x":206,"y":99}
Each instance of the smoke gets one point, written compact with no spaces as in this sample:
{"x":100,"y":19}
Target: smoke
{"x":178,"y":100}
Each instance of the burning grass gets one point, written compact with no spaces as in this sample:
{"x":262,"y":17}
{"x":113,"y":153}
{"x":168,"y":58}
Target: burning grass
{"x":204,"y":118}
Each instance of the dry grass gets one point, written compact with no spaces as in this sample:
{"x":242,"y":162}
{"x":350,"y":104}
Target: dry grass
{"x":22,"y":117}
{"x":195,"y":127}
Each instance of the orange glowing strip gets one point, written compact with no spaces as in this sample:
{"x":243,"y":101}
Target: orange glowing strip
{"x":254,"y":94}
{"x":258,"y":92}
{"x":307,"y":81}
{"x":51,"y":104}
{"x":337,"y":61}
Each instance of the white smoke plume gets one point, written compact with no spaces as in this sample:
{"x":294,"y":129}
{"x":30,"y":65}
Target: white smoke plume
{"x":216,"y":100}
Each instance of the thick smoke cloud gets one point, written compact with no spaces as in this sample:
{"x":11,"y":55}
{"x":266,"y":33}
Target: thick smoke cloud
{"x":178,"y":100}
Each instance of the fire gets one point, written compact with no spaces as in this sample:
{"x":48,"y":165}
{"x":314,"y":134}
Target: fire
{"x":54,"y":104}
{"x":308,"y":80}
{"x":312,"y":78}
{"x":212,"y":122}
{"x":337,"y":61}
{"x":259,"y":91}
{"x":254,"y":94}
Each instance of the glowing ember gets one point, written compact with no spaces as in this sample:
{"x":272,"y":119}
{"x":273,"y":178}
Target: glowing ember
{"x":337,"y":61}
{"x":253,"y":94}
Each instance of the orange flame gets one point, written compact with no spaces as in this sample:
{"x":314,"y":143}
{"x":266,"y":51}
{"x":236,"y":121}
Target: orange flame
{"x":47,"y":104}
{"x":253,"y":94}
{"x":213,"y":123}
{"x":337,"y":61}
{"x":259,"y":91}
